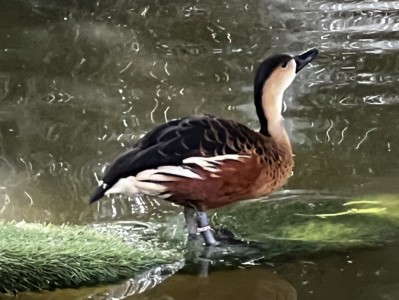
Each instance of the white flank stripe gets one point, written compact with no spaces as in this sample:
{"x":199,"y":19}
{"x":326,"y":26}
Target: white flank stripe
{"x":167,"y":173}
{"x":210,"y":169}
{"x":164,"y":196}
{"x":198,"y":160}
{"x":158,"y":177}
{"x":179,"y":171}
{"x":131,"y":186}
{"x":152,"y":175}
{"x":228,"y":157}
{"x":125,"y":186}
{"x":208,"y":163}
{"x":150,"y":188}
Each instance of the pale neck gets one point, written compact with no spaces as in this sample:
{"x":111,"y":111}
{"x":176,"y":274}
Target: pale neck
{"x":272,"y":107}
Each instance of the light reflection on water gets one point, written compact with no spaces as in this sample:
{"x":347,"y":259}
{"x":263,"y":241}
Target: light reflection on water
{"x":80,"y":82}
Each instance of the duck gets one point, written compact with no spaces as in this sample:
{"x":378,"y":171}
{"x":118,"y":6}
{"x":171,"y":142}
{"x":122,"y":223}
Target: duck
{"x":204,"y":162}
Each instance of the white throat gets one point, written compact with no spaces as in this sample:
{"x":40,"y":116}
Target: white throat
{"x":272,"y":106}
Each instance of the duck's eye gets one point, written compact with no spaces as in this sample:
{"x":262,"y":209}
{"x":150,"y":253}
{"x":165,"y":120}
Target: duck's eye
{"x":284,"y":64}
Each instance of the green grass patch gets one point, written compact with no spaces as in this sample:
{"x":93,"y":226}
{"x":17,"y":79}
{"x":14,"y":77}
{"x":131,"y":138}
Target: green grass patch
{"x":35,"y":257}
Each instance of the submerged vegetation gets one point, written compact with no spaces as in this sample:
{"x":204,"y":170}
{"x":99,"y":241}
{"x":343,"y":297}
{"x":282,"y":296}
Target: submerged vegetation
{"x":300,"y":226}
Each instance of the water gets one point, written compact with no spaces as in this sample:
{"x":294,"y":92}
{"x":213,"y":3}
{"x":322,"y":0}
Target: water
{"x":82,"y":80}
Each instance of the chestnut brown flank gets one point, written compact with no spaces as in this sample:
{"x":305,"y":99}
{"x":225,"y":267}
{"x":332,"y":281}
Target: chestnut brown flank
{"x":248,"y":178}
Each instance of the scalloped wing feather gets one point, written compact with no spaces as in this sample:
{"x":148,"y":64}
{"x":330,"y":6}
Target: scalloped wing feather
{"x":171,"y":143}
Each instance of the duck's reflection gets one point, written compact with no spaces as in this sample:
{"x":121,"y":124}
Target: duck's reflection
{"x":253,"y":283}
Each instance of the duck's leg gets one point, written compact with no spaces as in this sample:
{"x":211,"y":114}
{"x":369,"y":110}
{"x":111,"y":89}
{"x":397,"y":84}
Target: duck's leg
{"x":189,"y":215}
{"x":205,"y":260}
{"x":205,"y":229}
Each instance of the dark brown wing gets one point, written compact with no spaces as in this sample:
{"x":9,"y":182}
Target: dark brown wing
{"x":171,"y":143}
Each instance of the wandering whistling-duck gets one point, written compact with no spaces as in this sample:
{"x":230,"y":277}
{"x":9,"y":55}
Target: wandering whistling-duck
{"x":203,"y":162}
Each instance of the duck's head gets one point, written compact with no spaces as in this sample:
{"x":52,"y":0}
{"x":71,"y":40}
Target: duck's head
{"x":273,"y":77}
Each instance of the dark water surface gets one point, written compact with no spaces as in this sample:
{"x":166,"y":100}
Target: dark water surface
{"x":82,"y":80}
